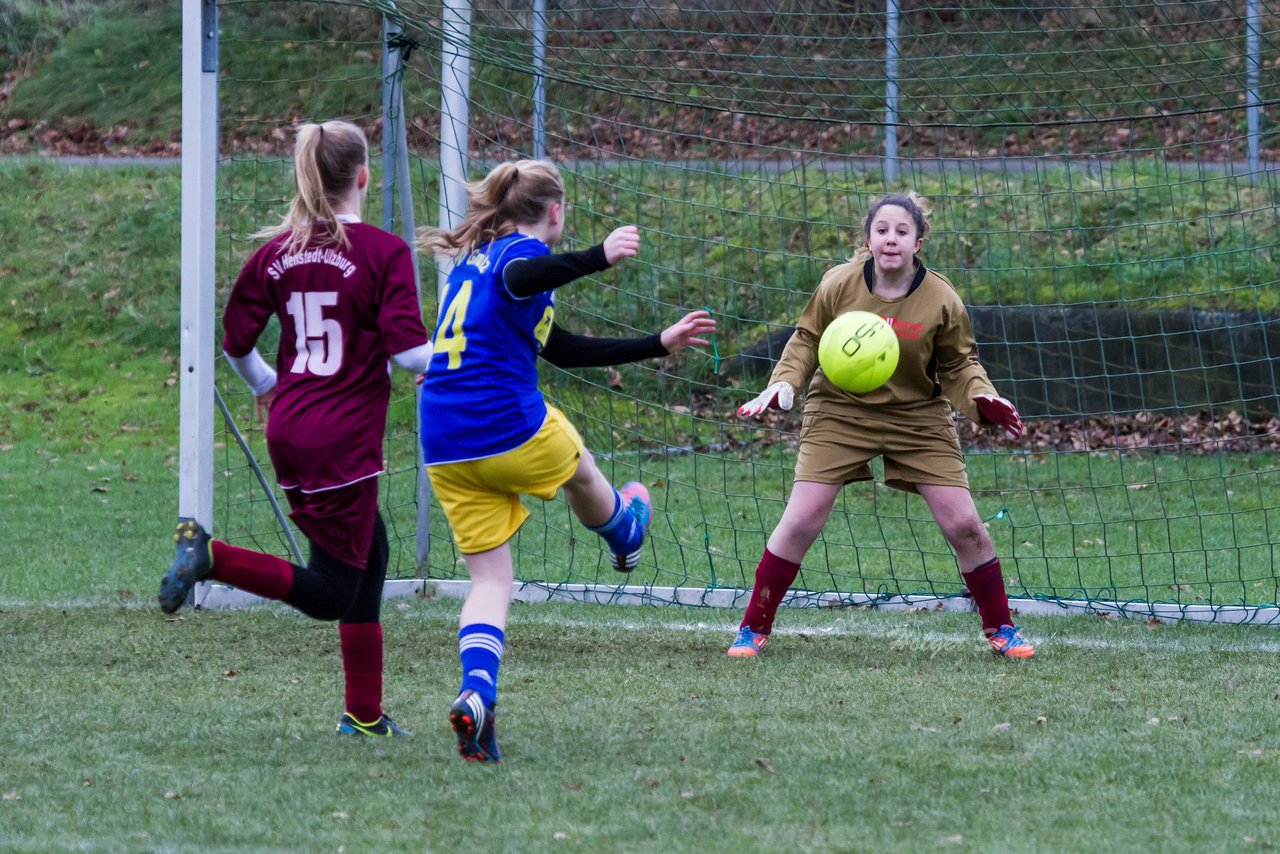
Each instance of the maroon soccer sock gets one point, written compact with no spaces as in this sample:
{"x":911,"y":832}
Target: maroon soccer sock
{"x":986,"y":586}
{"x":773,"y":578}
{"x":254,"y":572}
{"x":362,"y":669}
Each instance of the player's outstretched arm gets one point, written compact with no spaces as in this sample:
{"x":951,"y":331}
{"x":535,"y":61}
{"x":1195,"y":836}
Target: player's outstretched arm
{"x":568,"y":350}
{"x":526,"y":277}
{"x":779,"y":395}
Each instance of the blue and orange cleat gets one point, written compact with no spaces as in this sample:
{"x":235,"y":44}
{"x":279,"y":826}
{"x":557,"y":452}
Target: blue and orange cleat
{"x":1008,"y":643}
{"x":473,"y":724}
{"x":748,"y":644}
{"x":640,"y":508}
{"x":383,"y":726}
{"x":192,"y":563}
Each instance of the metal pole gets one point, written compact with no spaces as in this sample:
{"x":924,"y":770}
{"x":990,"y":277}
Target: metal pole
{"x":891,"y":93}
{"x":455,"y":115}
{"x":199,"y":196}
{"x":1253,"y":64}
{"x":262,"y":478}
{"x":539,"y":79}
{"x":395,"y":145}
{"x":395,"y":161}
{"x":390,"y":63}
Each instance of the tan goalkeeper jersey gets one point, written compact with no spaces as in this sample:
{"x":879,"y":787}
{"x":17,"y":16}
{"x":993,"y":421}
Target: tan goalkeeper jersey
{"x":938,"y":362}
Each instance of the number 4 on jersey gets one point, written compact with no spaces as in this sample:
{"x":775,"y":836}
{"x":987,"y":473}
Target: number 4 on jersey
{"x":450,"y":337}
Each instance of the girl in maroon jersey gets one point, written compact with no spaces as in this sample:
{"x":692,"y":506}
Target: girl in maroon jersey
{"x":346,"y":299}
{"x":907,"y":420}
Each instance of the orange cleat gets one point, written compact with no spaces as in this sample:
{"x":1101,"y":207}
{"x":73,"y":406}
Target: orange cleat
{"x":748,"y":644}
{"x":1010,"y":644}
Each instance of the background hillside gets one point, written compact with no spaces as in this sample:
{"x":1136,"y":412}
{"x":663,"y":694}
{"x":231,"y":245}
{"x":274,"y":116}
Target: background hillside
{"x":979,"y":79}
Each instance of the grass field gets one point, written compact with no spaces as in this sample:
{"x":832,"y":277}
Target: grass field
{"x":624,"y":729}
{"x":630,"y":730}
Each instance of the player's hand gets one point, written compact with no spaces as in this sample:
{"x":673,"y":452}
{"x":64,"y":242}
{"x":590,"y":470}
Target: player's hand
{"x":999,"y":412}
{"x":688,"y":330}
{"x":780,"y":395}
{"x":262,"y":404}
{"x":622,"y":242}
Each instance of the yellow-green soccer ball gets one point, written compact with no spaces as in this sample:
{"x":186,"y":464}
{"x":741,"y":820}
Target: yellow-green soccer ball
{"x":858,"y":351}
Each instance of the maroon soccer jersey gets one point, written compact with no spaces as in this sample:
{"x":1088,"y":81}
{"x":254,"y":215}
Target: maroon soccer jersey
{"x":343,"y":313}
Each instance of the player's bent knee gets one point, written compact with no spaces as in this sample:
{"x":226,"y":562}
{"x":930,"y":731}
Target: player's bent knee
{"x":802,"y":532}
{"x":968,"y":533}
{"x":328,"y":612}
{"x":584,"y":475}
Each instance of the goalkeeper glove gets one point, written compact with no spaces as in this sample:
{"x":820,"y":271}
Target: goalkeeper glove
{"x":780,"y":395}
{"x":1000,"y":412}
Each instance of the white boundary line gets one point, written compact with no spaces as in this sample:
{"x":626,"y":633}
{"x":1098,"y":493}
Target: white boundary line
{"x":220,"y":596}
{"x":916,"y":636}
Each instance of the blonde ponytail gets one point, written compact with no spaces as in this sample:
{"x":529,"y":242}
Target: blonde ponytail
{"x":326,"y":162}
{"x":511,"y":195}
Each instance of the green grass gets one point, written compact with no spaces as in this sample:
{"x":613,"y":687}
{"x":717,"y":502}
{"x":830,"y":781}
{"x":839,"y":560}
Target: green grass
{"x":132,"y":72}
{"x":88,"y":338}
{"x":121,"y":68}
{"x":629,"y":729}
{"x":30,"y":28}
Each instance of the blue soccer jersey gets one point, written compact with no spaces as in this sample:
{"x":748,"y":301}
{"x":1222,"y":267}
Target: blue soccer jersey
{"x":480,"y":397}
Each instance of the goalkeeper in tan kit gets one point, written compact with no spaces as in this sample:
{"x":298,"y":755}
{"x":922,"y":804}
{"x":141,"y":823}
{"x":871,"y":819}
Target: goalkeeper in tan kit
{"x":908,"y":420}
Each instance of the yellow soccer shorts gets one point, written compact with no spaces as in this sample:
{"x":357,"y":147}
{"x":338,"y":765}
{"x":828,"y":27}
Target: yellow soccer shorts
{"x":837,"y":450}
{"x":481,"y":498}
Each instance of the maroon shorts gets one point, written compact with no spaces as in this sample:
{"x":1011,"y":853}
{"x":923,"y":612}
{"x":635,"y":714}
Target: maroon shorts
{"x":339,"y":520}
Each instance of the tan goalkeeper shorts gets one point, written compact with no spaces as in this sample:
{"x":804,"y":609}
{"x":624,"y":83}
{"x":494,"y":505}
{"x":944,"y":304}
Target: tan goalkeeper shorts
{"x":837,"y":450}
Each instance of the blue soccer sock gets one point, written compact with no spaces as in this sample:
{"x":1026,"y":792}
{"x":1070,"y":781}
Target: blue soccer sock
{"x":480,"y":648}
{"x":621,"y":531}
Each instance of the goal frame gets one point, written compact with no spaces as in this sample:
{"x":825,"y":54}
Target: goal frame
{"x":199,"y":166}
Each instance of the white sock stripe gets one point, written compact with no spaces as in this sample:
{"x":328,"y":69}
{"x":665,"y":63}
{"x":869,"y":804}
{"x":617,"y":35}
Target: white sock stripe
{"x":485,"y":642}
{"x":477,"y":709}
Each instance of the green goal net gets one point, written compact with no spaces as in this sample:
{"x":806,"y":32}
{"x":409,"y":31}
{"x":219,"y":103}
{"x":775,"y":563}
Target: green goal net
{"x":1104,"y":189}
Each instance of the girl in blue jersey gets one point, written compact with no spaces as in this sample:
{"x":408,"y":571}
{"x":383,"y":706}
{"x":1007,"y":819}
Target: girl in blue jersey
{"x":488,"y":435}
